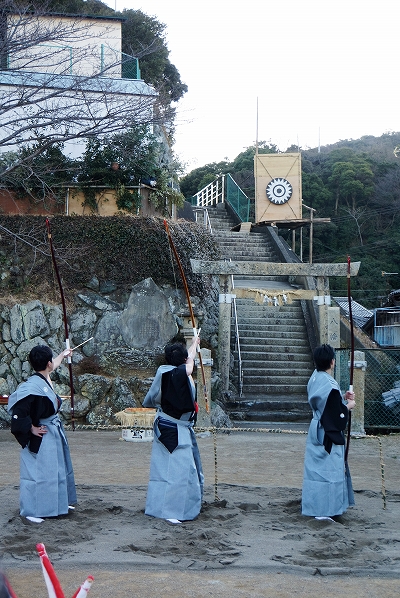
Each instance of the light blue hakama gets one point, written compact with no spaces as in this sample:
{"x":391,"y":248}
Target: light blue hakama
{"x":176,"y":482}
{"x":175,"y":489}
{"x":327,"y":488}
{"x":47,"y":485}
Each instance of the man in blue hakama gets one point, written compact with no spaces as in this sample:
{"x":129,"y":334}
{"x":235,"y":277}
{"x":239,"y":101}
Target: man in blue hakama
{"x":175,"y":488}
{"x":47,"y":486}
{"x":327,"y":489}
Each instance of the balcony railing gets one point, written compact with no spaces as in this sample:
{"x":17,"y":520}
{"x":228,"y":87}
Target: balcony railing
{"x":64,"y":60}
{"x":129,"y":67}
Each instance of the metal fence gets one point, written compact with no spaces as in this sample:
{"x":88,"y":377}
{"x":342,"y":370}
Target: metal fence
{"x":238,"y":200}
{"x":224,"y":188}
{"x":129,"y":67}
{"x":382,"y":384}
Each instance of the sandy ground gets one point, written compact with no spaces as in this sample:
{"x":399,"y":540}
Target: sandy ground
{"x":249,"y":540}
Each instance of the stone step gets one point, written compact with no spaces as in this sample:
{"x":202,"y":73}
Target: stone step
{"x":276,"y":389}
{"x":248,"y":281}
{"x":264,"y":345}
{"x":270,"y":409}
{"x":297,"y":416}
{"x":279,"y":360}
{"x":258,"y":317}
{"x":255,"y":316}
{"x":278,"y":369}
{"x":256,"y":278}
{"x":286,"y":378}
{"x":250,"y":317}
{"x":245,"y":303}
{"x":264,"y":323}
{"x":273,"y":331}
{"x":243,"y":258}
{"x":254,"y":357}
{"x":262,"y":252}
{"x":236,"y":238}
{"x":269,"y":377}
{"x":246,"y":240}
{"x":250,"y":250}
{"x":243,"y":234}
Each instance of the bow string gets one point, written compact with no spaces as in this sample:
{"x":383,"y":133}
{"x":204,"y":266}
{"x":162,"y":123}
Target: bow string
{"x":351,"y":351}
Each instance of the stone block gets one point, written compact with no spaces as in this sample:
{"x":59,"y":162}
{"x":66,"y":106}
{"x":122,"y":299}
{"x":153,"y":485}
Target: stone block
{"x":147,"y":321}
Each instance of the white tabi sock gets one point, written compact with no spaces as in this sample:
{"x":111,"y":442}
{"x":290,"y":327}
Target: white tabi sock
{"x":325,"y":519}
{"x":35,"y":519}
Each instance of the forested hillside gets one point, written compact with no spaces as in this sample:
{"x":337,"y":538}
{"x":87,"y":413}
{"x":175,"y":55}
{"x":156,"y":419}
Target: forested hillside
{"x":356,"y":183}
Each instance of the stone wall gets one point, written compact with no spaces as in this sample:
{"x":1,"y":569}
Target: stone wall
{"x":114,"y":369}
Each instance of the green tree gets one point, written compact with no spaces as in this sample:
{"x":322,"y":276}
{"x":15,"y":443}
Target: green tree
{"x":241,"y":169}
{"x":198,"y":178}
{"x":119,"y":162}
{"x":144,"y":37}
{"x":41,"y":177}
{"x":351,"y":179}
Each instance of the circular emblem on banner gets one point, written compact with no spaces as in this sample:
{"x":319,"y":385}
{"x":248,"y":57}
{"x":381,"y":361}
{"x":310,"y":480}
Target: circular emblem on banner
{"x":279,"y":191}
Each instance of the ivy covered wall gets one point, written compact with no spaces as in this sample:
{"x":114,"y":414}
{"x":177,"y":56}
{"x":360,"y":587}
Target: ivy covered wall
{"x":117,"y":250}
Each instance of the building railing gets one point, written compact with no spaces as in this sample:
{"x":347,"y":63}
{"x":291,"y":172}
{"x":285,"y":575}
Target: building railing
{"x":224,"y":189}
{"x":202,"y":215}
{"x":66,"y":60}
{"x":210,"y":195}
{"x":129,"y":67}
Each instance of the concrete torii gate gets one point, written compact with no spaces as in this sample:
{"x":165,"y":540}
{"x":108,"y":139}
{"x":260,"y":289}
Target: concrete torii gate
{"x":226,"y":270}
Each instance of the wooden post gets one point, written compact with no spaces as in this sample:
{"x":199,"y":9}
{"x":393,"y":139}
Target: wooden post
{"x":312,"y":210}
{"x":357,"y":420}
{"x":301,"y":244}
{"x":204,"y":418}
{"x":224,"y":328}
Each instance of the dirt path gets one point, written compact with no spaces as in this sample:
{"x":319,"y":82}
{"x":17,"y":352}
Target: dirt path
{"x":249,"y":540}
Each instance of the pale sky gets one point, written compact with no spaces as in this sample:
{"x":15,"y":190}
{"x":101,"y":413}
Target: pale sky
{"x":317,"y":68}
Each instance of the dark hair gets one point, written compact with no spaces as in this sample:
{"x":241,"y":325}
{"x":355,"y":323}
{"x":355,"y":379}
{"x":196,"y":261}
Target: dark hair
{"x":176,"y":354}
{"x":39,"y":357}
{"x":323,"y":356}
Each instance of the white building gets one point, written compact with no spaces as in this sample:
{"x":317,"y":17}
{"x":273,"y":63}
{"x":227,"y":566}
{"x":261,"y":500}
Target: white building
{"x":63,"y":78}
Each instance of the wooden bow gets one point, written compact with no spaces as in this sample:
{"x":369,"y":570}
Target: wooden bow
{"x":64,"y":309}
{"x":195,"y":333}
{"x":351,"y":353}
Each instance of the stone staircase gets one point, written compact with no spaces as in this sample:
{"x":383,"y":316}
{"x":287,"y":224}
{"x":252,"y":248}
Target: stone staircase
{"x":276,"y":355}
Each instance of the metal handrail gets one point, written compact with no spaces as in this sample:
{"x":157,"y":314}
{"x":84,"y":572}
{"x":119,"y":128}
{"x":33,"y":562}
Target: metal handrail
{"x":224,"y":189}
{"x":211,"y":194}
{"x":237,"y":342}
{"x":206,"y":217}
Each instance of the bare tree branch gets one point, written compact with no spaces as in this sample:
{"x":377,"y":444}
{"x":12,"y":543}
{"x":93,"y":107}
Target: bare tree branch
{"x":60,"y":81}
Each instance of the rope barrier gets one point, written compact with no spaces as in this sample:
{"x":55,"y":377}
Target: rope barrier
{"x":216,"y":498}
{"x":214,"y":430}
{"x":382,"y":469}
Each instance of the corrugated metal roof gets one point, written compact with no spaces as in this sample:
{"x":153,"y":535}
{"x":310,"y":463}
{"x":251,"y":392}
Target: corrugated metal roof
{"x":361,"y":314}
